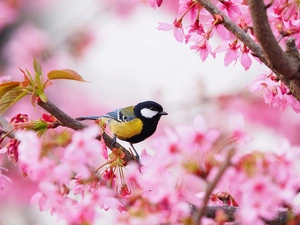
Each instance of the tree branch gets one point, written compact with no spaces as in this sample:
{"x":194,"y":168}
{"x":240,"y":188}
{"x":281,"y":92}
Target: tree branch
{"x":286,"y":65}
{"x":211,"y":186}
{"x":63,"y":118}
{"x":279,"y":61}
{"x":210,"y":212}
{"x":236,"y":30}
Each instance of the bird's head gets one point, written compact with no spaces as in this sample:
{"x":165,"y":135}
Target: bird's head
{"x":149,"y":110}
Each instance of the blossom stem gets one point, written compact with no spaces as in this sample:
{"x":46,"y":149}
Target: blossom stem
{"x":189,"y":8}
{"x":7,"y":134}
{"x":6,"y":127}
{"x":210,"y":187}
{"x":100,"y":167}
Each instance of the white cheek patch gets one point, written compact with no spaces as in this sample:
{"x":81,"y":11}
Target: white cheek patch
{"x":148,"y":113}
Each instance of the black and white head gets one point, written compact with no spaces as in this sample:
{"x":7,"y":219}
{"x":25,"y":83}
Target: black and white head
{"x":149,"y":110}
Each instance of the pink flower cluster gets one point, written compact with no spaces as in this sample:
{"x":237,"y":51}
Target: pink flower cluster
{"x":284,"y":17}
{"x":78,"y":181}
{"x":201,"y":27}
{"x":274,"y":92}
{"x":262,"y":183}
{"x":63,"y":175}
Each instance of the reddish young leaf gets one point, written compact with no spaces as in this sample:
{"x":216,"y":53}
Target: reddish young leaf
{"x":64,"y":74}
{"x":47,"y":84}
{"x":27,"y":80}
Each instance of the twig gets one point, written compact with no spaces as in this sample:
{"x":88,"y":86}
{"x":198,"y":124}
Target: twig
{"x":63,"y":118}
{"x":6,"y":127}
{"x":235,"y":29}
{"x":199,"y":214}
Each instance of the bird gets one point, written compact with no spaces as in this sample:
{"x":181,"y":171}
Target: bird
{"x":132,"y":124}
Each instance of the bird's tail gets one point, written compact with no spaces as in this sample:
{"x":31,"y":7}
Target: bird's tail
{"x":87,"y":118}
{"x":104,"y":117}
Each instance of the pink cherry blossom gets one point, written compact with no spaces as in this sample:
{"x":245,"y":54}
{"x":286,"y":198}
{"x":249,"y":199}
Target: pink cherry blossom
{"x":29,"y":140}
{"x":257,"y":204}
{"x":263,"y":176}
{"x":202,"y":46}
{"x":158,"y":201}
{"x":238,"y":133}
{"x":230,"y":8}
{"x":189,"y":7}
{"x":195,"y":31}
{"x":273,"y":91}
{"x":83,"y":146}
{"x":231,"y":56}
{"x":198,"y":137}
{"x":293,"y":102}
{"x":246,"y":60}
{"x":11,"y":149}
{"x":176,"y":27}
{"x":232,"y":51}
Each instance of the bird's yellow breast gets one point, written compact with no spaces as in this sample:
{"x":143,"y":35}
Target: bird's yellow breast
{"x":125,"y":130}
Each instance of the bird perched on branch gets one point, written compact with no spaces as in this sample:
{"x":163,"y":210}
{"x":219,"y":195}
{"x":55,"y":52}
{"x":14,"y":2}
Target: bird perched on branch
{"x":133,"y":123}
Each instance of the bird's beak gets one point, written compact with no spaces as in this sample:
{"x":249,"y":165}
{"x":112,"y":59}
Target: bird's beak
{"x":162,"y":113}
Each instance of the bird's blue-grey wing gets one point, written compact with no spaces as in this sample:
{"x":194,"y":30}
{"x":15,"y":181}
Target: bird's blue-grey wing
{"x":122,"y":115}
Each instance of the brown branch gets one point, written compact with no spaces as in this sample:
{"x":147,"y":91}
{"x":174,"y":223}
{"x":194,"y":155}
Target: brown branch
{"x":291,"y":48}
{"x":286,"y":65}
{"x":67,"y":121}
{"x":235,"y":29}
{"x":210,"y":212}
{"x":211,"y":186}
{"x":280,"y":62}
{"x":63,"y":118}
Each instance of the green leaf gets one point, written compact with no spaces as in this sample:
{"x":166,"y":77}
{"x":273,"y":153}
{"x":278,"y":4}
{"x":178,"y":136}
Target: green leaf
{"x":40,"y":127}
{"x":10,"y":98}
{"x":7,"y":86}
{"x":64,"y":74}
{"x":37,"y":67}
{"x":43,"y":97}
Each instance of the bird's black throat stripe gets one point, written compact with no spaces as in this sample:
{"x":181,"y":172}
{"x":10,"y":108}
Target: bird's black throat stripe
{"x":149,"y":127}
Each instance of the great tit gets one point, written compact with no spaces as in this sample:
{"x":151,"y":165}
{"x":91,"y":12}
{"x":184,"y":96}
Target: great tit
{"x":133,"y":123}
